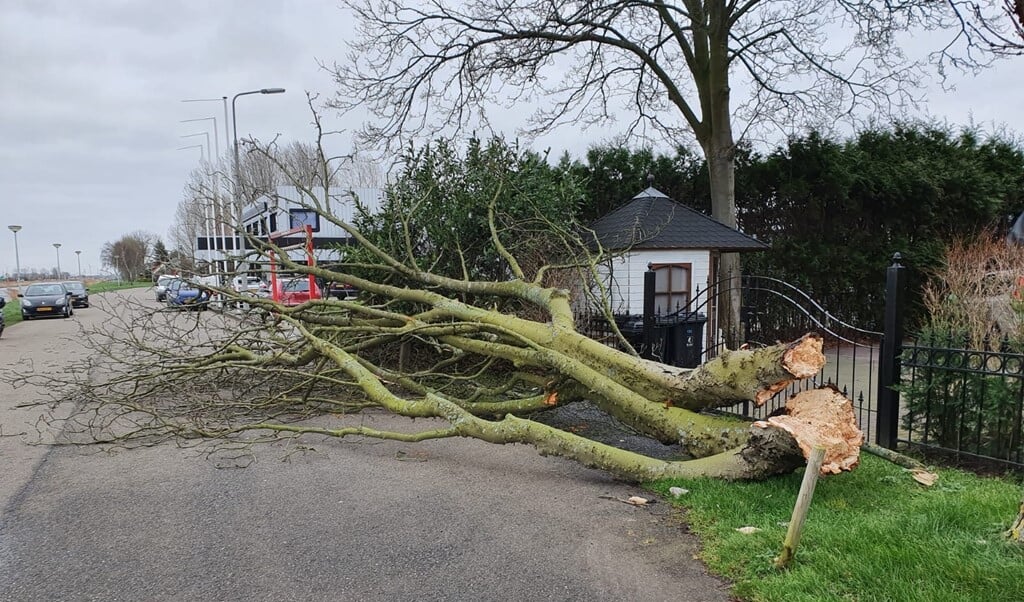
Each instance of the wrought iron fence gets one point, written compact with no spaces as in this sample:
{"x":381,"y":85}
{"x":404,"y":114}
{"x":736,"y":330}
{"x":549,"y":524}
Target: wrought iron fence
{"x":934,"y":394}
{"x":963,"y":404}
{"x":773,"y":311}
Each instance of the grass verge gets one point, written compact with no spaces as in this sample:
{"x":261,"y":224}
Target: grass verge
{"x":103,"y":286}
{"x":12,"y":312}
{"x":872,"y":535}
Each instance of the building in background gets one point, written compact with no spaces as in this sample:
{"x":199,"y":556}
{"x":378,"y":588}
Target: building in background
{"x":284,"y":214}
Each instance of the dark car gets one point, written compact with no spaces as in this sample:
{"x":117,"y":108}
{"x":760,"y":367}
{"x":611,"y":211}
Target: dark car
{"x":342,"y":291}
{"x":79,"y":294}
{"x":186,"y":295}
{"x":45,"y":299}
{"x":3,"y":302}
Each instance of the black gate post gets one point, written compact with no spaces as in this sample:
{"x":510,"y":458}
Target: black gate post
{"x":648,"y":334}
{"x":889,"y":361}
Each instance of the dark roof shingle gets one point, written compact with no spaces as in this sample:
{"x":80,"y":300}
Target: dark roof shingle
{"x":651,"y":220}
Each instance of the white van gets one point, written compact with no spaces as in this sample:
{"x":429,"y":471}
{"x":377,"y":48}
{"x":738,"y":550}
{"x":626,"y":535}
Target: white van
{"x":250,"y":284}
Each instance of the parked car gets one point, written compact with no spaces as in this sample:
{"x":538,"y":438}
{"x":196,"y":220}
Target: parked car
{"x":44,"y":299}
{"x":161,"y":286}
{"x":252,"y":285}
{"x":296,"y":291}
{"x":3,"y":302}
{"x":186,"y":295}
{"x":79,"y":294}
{"x":340,"y":290}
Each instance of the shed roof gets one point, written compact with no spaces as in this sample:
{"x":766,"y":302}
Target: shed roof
{"x":651,"y":220}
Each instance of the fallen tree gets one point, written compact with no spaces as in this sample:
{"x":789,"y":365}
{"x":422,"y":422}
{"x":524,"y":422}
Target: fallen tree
{"x":482,"y":358}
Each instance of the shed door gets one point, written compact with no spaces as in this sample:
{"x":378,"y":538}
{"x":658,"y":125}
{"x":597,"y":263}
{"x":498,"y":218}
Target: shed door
{"x":671,"y":287}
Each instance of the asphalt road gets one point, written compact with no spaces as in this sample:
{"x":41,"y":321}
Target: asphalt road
{"x":338,"y":520}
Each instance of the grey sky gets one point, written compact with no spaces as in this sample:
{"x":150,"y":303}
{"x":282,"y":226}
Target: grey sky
{"x":90,"y":107}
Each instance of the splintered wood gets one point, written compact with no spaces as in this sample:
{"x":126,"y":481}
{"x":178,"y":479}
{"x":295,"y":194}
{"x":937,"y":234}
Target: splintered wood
{"x":822,"y":417}
{"x":803,"y":359}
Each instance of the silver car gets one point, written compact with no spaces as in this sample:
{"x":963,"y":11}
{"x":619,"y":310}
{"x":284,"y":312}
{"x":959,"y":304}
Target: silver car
{"x":161,"y":286}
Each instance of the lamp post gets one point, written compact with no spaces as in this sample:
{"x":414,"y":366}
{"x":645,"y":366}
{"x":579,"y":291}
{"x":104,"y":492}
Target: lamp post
{"x":202,"y":156}
{"x":234,"y":120}
{"x":202,"y":151}
{"x":207,"y":134}
{"x":207,"y":213}
{"x":216,"y":213}
{"x":56,"y":245}
{"x":237,"y":167}
{"x":79,"y":254}
{"x":222,"y":99}
{"x":17,"y":259}
{"x":216,"y":143}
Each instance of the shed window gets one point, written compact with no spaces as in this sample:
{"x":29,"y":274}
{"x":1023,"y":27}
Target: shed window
{"x":671,"y":287}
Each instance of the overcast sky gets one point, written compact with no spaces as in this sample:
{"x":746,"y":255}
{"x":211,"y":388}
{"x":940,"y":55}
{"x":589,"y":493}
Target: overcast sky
{"x":90,"y":107}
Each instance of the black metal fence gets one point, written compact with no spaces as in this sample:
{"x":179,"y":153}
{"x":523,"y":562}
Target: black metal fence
{"x":932,"y":393}
{"x":960,"y":403}
{"x":773,"y":310}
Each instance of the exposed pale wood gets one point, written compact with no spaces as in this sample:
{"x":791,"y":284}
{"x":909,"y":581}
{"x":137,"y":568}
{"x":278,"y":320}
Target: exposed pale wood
{"x":822,"y":418}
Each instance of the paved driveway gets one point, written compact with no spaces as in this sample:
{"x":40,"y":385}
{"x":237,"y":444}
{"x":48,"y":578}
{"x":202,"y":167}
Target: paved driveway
{"x":342,"y":520}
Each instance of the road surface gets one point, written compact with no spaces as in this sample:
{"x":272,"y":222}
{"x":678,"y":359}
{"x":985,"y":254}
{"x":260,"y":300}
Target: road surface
{"x":341,"y":520}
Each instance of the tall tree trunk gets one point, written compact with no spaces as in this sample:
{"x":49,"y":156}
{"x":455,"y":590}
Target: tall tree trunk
{"x":720,"y":153}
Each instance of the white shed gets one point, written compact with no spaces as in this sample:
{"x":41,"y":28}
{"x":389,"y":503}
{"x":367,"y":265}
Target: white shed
{"x":681,"y":245}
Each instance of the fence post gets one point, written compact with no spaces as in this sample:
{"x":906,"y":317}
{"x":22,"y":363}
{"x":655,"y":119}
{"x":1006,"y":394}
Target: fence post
{"x":648,"y":334}
{"x":889,"y":361}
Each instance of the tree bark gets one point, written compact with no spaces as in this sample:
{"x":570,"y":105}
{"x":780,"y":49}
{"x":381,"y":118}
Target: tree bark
{"x":1016,"y":531}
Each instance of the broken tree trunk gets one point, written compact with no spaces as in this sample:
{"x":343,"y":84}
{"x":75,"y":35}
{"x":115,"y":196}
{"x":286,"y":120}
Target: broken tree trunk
{"x":822,"y":418}
{"x":818,"y":418}
{"x":1016,"y":531}
{"x":482,"y":370}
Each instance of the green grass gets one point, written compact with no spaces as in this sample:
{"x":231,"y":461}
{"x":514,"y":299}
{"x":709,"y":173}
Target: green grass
{"x":872,"y":535}
{"x":113,"y":285}
{"x":12,"y":310}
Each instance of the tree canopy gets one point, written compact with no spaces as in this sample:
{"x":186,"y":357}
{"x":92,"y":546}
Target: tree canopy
{"x":128,"y":255}
{"x":665,"y":68}
{"x":439,"y":210}
{"x":835,"y":211}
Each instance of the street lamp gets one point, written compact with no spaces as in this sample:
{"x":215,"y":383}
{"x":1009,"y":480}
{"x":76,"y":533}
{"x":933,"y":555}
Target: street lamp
{"x":206,"y":209}
{"x":207,"y":134}
{"x":223,"y":99}
{"x":237,"y":168}
{"x":216,"y":143}
{"x":234,"y":122}
{"x":17,"y":259}
{"x":202,"y":150}
{"x":56,"y":245}
{"x":79,"y":254}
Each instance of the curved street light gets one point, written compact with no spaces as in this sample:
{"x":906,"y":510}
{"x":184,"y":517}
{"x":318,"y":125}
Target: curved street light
{"x":234,"y":121}
{"x":222,"y":99}
{"x":17,"y":259}
{"x":202,"y":150}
